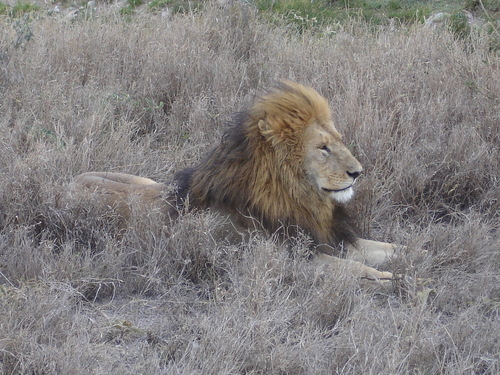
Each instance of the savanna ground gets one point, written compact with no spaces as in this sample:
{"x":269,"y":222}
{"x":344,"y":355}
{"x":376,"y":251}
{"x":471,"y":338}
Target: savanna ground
{"x":149,"y":94}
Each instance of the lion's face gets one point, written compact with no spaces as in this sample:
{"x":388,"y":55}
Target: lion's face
{"x":328,"y":164}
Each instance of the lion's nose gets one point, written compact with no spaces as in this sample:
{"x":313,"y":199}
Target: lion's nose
{"x":354,"y":174}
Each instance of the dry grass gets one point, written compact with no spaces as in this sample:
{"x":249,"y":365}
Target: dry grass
{"x":149,"y":96}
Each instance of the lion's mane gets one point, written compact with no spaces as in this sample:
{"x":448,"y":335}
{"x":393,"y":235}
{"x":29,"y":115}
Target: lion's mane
{"x":251,"y":173}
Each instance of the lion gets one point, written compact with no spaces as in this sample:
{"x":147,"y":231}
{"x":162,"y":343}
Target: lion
{"x":281,"y":167}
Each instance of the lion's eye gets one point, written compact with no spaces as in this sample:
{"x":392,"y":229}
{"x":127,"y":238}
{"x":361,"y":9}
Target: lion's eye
{"x":325,"y":149}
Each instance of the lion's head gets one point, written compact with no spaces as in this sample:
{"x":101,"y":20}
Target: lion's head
{"x":328,"y":163}
{"x":282,"y":162}
{"x":296,"y":121}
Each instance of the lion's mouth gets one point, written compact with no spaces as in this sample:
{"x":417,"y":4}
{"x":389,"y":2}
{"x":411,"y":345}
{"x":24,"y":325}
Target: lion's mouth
{"x":336,"y":190}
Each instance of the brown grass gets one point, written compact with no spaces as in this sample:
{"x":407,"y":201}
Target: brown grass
{"x":149,"y":96}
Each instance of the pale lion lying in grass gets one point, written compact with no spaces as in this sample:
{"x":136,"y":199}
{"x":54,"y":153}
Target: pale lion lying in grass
{"x":282,"y":164}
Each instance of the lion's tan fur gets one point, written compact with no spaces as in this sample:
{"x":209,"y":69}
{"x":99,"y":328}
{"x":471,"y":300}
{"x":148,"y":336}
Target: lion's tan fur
{"x":289,"y":111}
{"x":288,"y":114}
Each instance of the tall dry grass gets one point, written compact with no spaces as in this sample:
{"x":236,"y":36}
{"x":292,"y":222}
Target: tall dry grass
{"x":149,"y":96}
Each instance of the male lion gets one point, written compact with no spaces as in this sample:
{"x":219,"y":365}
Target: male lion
{"x":282,"y":165}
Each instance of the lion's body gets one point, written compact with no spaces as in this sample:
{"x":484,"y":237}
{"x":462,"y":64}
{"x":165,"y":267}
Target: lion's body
{"x":281,"y":164}
{"x":238,"y":176}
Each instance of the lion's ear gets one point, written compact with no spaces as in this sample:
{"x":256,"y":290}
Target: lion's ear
{"x":265,"y":128}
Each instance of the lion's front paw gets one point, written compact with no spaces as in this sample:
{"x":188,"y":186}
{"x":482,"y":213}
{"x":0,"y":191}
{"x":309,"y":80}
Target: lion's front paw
{"x":370,"y":278}
{"x":374,"y":280}
{"x":369,"y":273}
{"x":373,"y":274}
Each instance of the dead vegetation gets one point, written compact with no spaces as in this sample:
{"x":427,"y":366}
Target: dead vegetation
{"x":149,"y":95}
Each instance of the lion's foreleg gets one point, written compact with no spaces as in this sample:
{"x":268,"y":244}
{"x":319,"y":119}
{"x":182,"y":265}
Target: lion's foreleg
{"x":371,"y":252}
